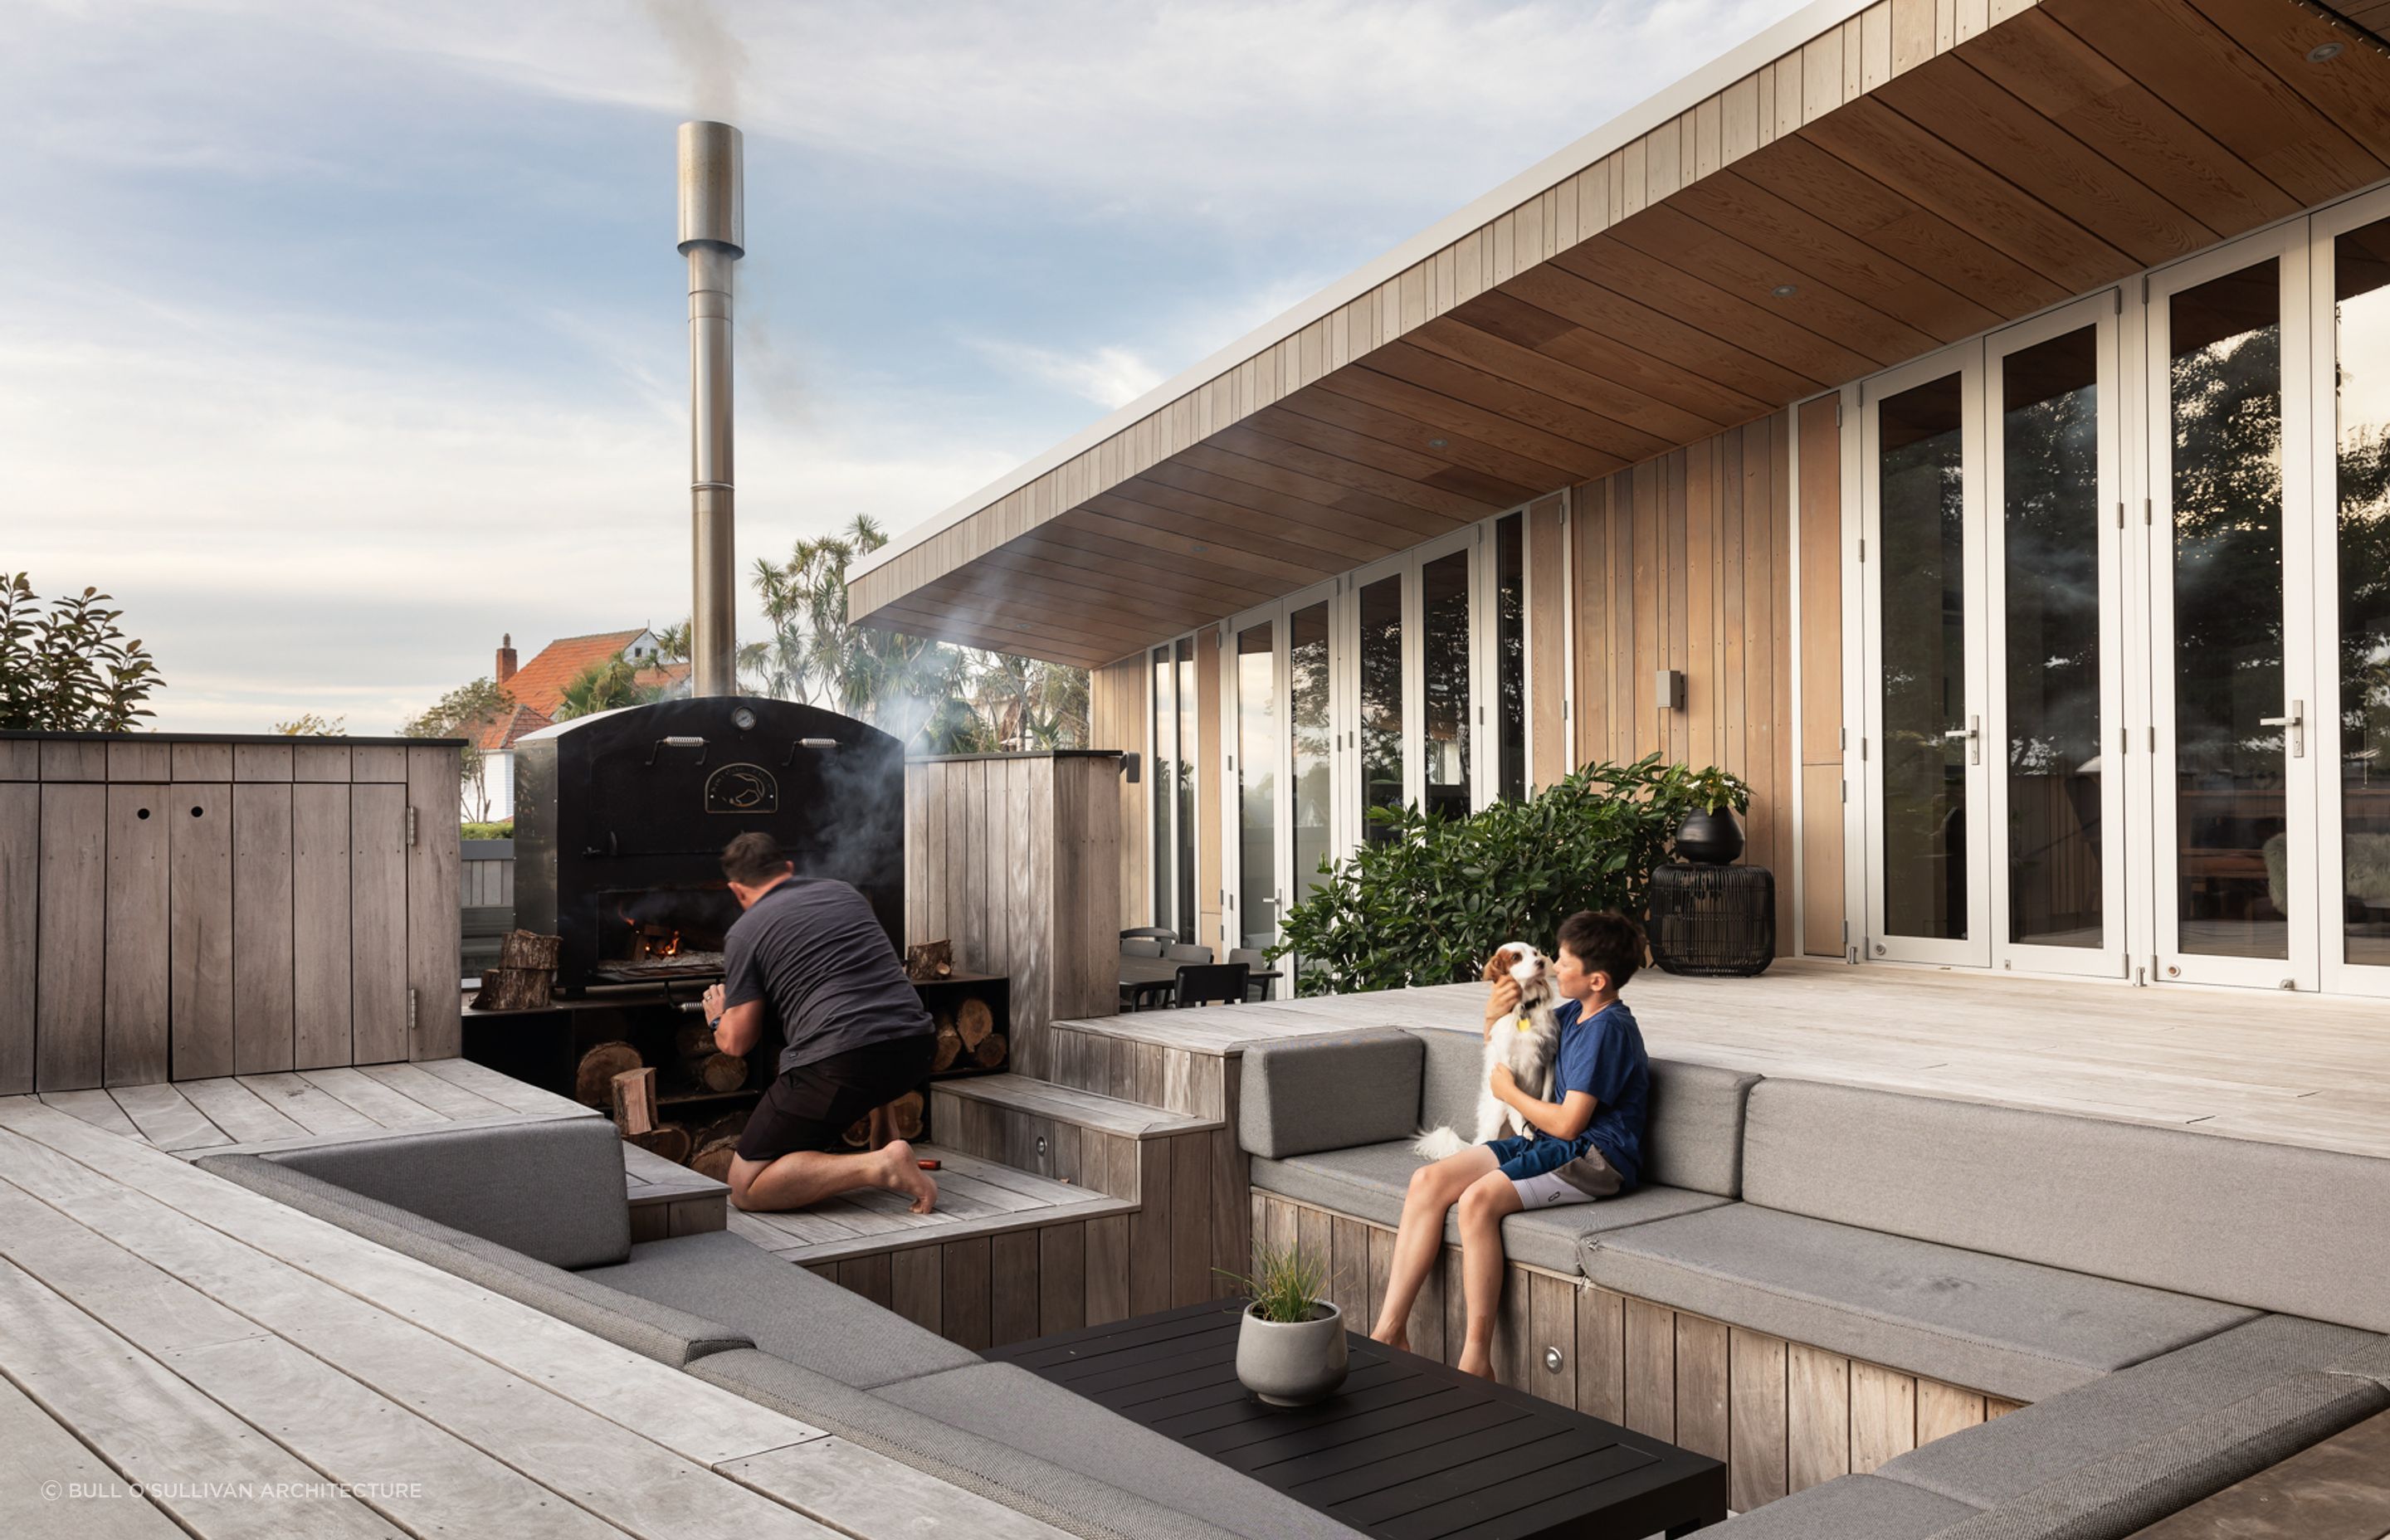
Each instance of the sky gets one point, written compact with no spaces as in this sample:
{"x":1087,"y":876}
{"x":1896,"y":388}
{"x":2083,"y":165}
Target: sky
{"x":338,"y":339}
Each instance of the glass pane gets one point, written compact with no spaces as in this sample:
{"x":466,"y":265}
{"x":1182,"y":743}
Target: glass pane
{"x":2226,"y":417}
{"x":1443,"y":620}
{"x":1919,"y":442}
{"x":1257,"y":785}
{"x":1186,"y":741}
{"x":2361,"y":263}
{"x":1382,"y":700}
{"x":1510,"y":655}
{"x":2050,"y":447}
{"x":1306,"y":658}
{"x":1163,"y":782}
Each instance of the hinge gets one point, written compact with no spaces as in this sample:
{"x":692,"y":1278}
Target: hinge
{"x":2120,"y":513}
{"x":2149,"y":514}
{"x":1846,"y":939}
{"x":2120,"y":301}
{"x":410,"y":1012}
{"x":1847,"y":792}
{"x":410,"y":829}
{"x":2153,"y":738}
{"x":1863,"y":754}
{"x":1838,"y":411}
{"x":1863,"y":550}
{"x":2145,"y":288}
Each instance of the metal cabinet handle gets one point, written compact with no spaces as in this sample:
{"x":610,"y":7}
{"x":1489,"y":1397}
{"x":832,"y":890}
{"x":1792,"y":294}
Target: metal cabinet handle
{"x":2296,"y":721}
{"x":1973,"y":733}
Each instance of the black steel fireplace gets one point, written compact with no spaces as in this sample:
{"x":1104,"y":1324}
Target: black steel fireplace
{"x":620,"y":818}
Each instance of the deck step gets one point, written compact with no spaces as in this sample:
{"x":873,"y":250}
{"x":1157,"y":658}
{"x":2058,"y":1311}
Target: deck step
{"x":977,"y":1196}
{"x":1040,"y":1098}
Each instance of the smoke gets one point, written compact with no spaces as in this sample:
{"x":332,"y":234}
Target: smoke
{"x":714,"y":61}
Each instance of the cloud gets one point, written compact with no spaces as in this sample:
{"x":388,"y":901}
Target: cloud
{"x":1110,"y":377}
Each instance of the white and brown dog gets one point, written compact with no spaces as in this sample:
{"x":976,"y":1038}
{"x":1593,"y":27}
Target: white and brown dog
{"x":1528,"y":1041}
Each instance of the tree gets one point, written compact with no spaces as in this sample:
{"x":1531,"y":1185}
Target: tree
{"x":1028,"y":703}
{"x":308,"y":724}
{"x":71,"y":669}
{"x":605,"y":687}
{"x":461,"y":713}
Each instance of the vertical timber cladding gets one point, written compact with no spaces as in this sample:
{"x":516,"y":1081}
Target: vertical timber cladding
{"x":1821,"y":728}
{"x":1685,"y":562}
{"x":183,"y":908}
{"x":1116,"y":719}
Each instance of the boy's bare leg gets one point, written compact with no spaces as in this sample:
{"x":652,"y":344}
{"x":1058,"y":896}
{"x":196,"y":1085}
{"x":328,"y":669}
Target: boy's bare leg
{"x":1419,"y":1238}
{"x":804,"y":1177}
{"x":1483,"y":1207}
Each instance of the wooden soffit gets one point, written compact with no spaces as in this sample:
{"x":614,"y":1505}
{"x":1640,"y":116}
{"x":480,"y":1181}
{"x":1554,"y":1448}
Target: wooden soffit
{"x":1914,"y":172}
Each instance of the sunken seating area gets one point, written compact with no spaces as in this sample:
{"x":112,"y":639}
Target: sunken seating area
{"x":556,"y":1233}
{"x":2016,"y":1324}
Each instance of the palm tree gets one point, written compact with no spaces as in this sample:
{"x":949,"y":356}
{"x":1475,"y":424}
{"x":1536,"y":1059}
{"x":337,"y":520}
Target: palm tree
{"x":604,"y":686}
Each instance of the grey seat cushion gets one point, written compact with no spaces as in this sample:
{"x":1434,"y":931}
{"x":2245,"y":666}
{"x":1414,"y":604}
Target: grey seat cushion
{"x":674,"y":1337}
{"x":1369,"y":1183}
{"x":1692,"y":1133}
{"x":1988,"y":1322}
{"x":787,"y":1311}
{"x":2370,"y":1362}
{"x":1851,"y":1508}
{"x":1067,"y":1498}
{"x":551,"y":1189}
{"x":2008,"y":1457}
{"x":2126,"y":1489}
{"x":1008,"y":1404}
{"x":1302,"y":1094}
{"x":2297,"y":1232}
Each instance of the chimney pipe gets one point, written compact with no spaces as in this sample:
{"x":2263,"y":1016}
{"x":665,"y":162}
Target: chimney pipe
{"x":713,"y":235}
{"x":506,"y":658}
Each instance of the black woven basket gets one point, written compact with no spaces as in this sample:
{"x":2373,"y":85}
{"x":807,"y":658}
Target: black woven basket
{"x":1712,"y":921}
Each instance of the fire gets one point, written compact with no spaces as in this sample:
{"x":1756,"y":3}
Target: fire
{"x":650,"y":940}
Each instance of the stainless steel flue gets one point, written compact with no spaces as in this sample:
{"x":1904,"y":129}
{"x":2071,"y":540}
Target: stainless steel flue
{"x":713,"y":235}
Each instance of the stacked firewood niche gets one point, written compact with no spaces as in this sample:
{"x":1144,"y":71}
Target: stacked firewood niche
{"x":967,"y":1038}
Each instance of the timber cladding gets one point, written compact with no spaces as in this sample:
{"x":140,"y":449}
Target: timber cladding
{"x":181,"y":907}
{"x":1783,"y":1415}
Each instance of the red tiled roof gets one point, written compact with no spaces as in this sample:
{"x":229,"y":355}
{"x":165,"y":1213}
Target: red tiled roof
{"x":541,"y":682}
{"x":500,"y":732}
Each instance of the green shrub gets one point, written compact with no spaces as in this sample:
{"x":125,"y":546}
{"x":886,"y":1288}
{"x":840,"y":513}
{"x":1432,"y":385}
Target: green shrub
{"x":1427,"y":898}
{"x":504,"y":830}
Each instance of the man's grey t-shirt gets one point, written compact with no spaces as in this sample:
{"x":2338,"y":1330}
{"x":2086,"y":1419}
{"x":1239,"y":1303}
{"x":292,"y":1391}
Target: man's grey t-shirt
{"x":813,"y":952}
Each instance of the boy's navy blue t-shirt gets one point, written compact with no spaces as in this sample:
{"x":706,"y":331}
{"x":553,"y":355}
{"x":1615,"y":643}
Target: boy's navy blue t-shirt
{"x":1602,"y":1056}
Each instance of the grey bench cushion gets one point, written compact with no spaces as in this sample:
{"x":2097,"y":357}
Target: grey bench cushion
{"x":551,"y":1189}
{"x":2297,"y":1232}
{"x":2120,"y":1492}
{"x":1007,"y":1403}
{"x":787,"y":1311}
{"x":1298,"y":1095}
{"x":1987,"y":1323}
{"x":1075,"y":1502}
{"x":2370,"y":1362}
{"x":2008,"y":1457}
{"x":1851,"y":1508}
{"x":1369,"y":1183}
{"x":674,"y":1337}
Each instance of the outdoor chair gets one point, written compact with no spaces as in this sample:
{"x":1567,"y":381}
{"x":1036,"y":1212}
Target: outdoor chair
{"x":1148,"y":932}
{"x":1213,"y":984}
{"x":1254,"y":962}
{"x":1140,"y":947}
{"x":1181,"y":952}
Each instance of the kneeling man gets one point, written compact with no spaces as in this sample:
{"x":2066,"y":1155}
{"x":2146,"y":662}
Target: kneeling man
{"x":809,"y":957}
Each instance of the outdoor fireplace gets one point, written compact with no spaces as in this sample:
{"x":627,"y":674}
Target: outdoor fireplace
{"x":620,"y":819}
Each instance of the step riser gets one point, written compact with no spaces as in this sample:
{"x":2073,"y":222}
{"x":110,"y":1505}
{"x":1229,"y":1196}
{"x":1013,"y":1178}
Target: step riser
{"x":1172,"y":1079}
{"x":1044,"y":1146}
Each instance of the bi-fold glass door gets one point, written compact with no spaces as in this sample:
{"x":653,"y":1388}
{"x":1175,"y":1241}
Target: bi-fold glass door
{"x":1280,"y":779}
{"x":1414,"y":676}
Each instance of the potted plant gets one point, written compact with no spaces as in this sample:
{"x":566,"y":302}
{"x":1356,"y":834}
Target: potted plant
{"x":1291,"y":1343}
{"x":1711,"y":835}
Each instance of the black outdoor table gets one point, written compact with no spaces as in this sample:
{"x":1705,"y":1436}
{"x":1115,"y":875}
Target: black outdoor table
{"x":1408,"y":1449}
{"x":1158,"y":977}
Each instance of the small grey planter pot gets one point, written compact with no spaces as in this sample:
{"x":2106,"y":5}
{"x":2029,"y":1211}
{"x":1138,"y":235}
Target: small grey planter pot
{"x":1291,"y":1363}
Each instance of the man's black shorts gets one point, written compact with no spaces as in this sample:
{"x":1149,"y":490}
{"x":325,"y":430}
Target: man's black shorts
{"x":811,"y":1106}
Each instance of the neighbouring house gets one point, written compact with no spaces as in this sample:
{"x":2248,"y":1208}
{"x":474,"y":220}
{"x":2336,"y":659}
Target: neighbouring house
{"x":1968,"y":420}
{"x":538,"y":689}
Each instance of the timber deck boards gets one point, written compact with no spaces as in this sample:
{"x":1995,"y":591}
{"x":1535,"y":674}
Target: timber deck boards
{"x":160,"y":1325}
{"x":2251,"y":1064}
{"x":1133,"y":1119}
{"x":975,"y":1198}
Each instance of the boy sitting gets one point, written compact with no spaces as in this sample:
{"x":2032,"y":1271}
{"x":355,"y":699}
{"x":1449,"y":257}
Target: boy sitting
{"x":1587,"y":1145}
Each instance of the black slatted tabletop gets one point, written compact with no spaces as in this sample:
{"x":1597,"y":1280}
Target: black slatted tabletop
{"x":1408,"y":1449}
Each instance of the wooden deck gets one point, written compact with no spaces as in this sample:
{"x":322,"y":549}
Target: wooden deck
{"x":975,"y":1198}
{"x":202,"y":1360}
{"x":2283,"y":1069}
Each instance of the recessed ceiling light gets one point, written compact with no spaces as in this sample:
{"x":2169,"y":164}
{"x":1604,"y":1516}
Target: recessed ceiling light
{"x":2324,"y":53}
{"x":1785,"y":291}
{"x":1435,"y":444}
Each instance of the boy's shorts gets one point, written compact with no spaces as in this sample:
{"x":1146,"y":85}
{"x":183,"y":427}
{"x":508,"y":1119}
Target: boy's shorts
{"x":1536,"y":1168}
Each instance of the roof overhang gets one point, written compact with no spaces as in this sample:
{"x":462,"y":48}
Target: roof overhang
{"x":1855,"y":188}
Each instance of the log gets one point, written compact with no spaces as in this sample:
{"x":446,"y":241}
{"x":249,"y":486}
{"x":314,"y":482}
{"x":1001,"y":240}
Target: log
{"x":990,"y":1052}
{"x":670,"y":1140}
{"x":593,"y":1082}
{"x":634,"y":1101}
{"x":904,"y":1116}
{"x":714,"y":1156}
{"x":950,"y":1047}
{"x":529,"y":949}
{"x":932,"y":959}
{"x":694,"y":1041}
{"x":858,"y":1133}
{"x":515,"y":989}
{"x":975,"y":1021}
{"x":729,"y":1125}
{"x":717,"y":1071}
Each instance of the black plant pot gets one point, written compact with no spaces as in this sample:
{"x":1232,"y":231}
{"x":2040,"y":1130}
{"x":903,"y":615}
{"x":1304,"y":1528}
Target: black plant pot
{"x":1711,"y":837}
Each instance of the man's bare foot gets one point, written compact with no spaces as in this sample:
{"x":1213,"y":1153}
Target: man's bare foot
{"x":1476,"y":1361}
{"x":900,"y":1173}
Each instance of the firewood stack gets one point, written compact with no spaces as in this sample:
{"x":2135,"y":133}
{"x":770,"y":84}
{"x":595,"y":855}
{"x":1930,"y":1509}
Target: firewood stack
{"x":612,"y":1078}
{"x":525,"y":973}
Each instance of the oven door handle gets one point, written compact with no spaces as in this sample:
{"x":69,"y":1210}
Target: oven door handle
{"x":662,"y":743}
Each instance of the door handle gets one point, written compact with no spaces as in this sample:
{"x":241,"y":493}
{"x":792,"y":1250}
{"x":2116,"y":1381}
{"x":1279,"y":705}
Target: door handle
{"x":1973,"y":733}
{"x":2298,"y":724}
